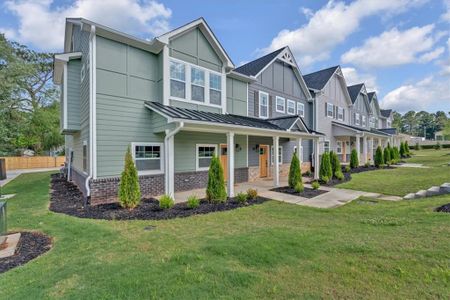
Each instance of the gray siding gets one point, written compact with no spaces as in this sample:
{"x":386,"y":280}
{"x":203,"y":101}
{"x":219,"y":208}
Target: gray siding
{"x":73,"y":94}
{"x":360,"y":106}
{"x":236,"y":97}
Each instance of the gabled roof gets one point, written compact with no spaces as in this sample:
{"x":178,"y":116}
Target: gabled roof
{"x":254,"y":67}
{"x":354,"y":91}
{"x":358,"y":129}
{"x":386,"y":112}
{"x":291,"y":123}
{"x":374,"y":99}
{"x":318,"y":80}
{"x":371,"y":96}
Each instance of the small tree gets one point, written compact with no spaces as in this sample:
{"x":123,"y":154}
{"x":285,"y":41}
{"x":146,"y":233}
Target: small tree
{"x":335,"y":163}
{"x":387,"y":156}
{"x":407,"y":148}
{"x":393,"y":159}
{"x":129,"y":191}
{"x":326,"y":172}
{"x":396,"y":154}
{"x":402,"y":150}
{"x":379,"y":160}
{"x":215,"y":191}
{"x":295,"y":174}
{"x":354,"y":162}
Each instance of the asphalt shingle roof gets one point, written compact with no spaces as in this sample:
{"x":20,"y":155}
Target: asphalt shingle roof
{"x":386,"y":112}
{"x":254,"y":67}
{"x":319,"y":79}
{"x":370,"y":95}
{"x":374,"y":131}
{"x":389,"y":130}
{"x":354,"y":91}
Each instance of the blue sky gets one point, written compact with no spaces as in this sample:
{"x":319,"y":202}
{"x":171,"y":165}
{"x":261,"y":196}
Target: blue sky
{"x":400,"y":48}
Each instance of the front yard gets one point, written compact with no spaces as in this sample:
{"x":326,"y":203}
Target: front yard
{"x":366,"y":249}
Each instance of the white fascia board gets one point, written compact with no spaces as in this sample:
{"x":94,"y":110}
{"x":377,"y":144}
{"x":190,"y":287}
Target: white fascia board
{"x":242,"y":77}
{"x":60,"y":60}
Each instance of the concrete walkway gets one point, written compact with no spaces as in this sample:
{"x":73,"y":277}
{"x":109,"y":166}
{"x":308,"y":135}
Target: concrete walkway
{"x":12,"y":174}
{"x":333,"y":198}
{"x":410,"y":165}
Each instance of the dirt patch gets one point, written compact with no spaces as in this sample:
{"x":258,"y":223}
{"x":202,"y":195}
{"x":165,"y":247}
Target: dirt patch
{"x":444,"y":208}
{"x":30,"y":246}
{"x":66,"y":198}
{"x":307,"y":192}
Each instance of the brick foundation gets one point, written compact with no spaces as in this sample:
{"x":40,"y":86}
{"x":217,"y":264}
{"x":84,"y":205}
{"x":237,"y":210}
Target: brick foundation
{"x":79,"y":179}
{"x":197,"y":180}
{"x":253,"y":172}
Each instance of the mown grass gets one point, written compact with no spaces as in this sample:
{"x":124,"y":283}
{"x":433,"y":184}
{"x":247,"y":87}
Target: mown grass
{"x":367,"y":249}
{"x":401,"y":181}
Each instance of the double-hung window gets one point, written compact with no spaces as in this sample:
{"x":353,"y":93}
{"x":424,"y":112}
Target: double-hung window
{"x":340,"y":114}
{"x":330,"y":110}
{"x":177,"y":79}
{"x":263,"y":105}
{"x":205,"y":153}
{"x":280,"y":105}
{"x":215,"y":89}
{"x":148,"y":157}
{"x":291,"y":107}
{"x":339,"y":147}
{"x":300,"y":109}
{"x":280,"y":155}
{"x":357,"y":119}
{"x":364,"y":121}
{"x":197,"y":84}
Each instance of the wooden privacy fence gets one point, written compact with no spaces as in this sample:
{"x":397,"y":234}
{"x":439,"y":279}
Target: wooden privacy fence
{"x":19,"y":162}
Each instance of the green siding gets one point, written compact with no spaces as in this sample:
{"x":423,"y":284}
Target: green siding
{"x":73,"y":94}
{"x":236,"y":97}
{"x":185,"y":148}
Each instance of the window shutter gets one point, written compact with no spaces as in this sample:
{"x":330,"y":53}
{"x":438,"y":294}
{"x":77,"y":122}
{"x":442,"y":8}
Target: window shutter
{"x":256,"y":104}
{"x":343,"y":114}
{"x":269,"y":108}
{"x":326,"y":109}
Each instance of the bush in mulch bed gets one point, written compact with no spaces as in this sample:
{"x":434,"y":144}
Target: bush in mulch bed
{"x":30,"y":246}
{"x":307,"y":192}
{"x":334,"y":181}
{"x":444,"y":208}
{"x":66,"y":198}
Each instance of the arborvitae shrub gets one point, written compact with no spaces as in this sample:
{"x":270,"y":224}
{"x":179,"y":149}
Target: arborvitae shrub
{"x":325,"y":172}
{"x":335,"y":163}
{"x":129,"y":191}
{"x":295,"y":174}
{"x":393,"y":160}
{"x":402,"y":150}
{"x":387,"y":156}
{"x":379,"y":159}
{"x":396,"y":155}
{"x":339,"y":175}
{"x":215,"y":191}
{"x":354,"y":162}
{"x":407,"y":148}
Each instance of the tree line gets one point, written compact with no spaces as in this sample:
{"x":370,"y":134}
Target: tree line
{"x":422,"y":123}
{"x":29,"y":101}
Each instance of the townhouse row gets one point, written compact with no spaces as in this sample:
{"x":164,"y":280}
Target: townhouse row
{"x":178,"y":99}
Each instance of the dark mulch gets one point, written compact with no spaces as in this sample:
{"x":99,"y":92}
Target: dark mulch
{"x":334,"y":181}
{"x":307,"y":193}
{"x":30,"y":246}
{"x":444,"y":208}
{"x":361,"y":169}
{"x":66,"y":198}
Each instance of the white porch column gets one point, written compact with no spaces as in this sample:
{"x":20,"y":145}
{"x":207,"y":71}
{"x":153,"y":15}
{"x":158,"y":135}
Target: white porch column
{"x":299,"y":151}
{"x":316,"y":158}
{"x":358,"y":147}
{"x":230,"y":162}
{"x":170,"y":186}
{"x":372,"y":154}
{"x":276,"y":165}
{"x":364,"y":160}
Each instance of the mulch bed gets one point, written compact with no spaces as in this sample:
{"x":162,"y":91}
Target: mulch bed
{"x":66,"y":198}
{"x":30,"y":246}
{"x":307,"y":193}
{"x":444,"y":208}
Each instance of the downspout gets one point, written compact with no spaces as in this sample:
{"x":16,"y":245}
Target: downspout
{"x":169,"y":134}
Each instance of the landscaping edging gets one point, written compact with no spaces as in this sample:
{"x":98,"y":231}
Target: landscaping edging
{"x":65,"y":198}
{"x":307,"y":192}
{"x":30,"y":246}
{"x":432,"y":191}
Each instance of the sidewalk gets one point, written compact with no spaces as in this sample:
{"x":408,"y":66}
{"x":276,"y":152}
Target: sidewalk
{"x":12,"y":174}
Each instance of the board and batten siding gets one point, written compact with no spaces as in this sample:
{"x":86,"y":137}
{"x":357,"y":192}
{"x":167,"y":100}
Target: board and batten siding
{"x":126,"y":78}
{"x":236,"y":97}
{"x":360,"y":106}
{"x":186,"y":149}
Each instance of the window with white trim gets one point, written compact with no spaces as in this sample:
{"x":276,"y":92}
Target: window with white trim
{"x":177,"y":79}
{"x":364,"y":121}
{"x":205,"y":153}
{"x":357,"y":119}
{"x":330,"y":110}
{"x":263,"y":105}
{"x":291,"y":107}
{"x":280,"y":104}
{"x":371,"y":122}
{"x":339,"y":147}
{"x":326,"y":146}
{"x":148,"y":157}
{"x":197,"y":84}
{"x":215,"y":89}
{"x":280,"y":154}
{"x":340,"y":113}
{"x":300,"y":109}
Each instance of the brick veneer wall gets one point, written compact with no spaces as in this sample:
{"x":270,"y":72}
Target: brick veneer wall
{"x":253,"y":172}
{"x":79,"y":179}
{"x":196,"y":180}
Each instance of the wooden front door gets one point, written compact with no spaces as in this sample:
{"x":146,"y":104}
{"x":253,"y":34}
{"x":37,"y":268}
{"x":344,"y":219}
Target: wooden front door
{"x":224,"y":160}
{"x":263,"y":160}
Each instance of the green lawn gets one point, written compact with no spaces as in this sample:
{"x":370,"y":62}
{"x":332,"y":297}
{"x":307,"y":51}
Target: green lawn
{"x":366,"y":249}
{"x":402,"y":181}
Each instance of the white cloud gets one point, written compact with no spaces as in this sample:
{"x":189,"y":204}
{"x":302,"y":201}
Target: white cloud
{"x":331,"y":25}
{"x":446,"y":15}
{"x":41,"y":23}
{"x":428,"y":94}
{"x":352,"y":76}
{"x":395,"y":47}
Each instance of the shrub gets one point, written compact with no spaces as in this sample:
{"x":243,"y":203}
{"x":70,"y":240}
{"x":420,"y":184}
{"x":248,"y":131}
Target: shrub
{"x":252,"y":194}
{"x":325,"y":172}
{"x":339,"y":175}
{"x":366,"y":165}
{"x":417,"y":147}
{"x":347,"y":169}
{"x":354,"y":162}
{"x":295,"y":175}
{"x":215,"y":191}
{"x":315,"y":185}
{"x":241,"y":197}
{"x":396,"y":154}
{"x":437,"y":146}
{"x":335,"y":163}
{"x":193,"y":202}
{"x":379,"y":160}
{"x":402,"y":150}
{"x":387,"y":156}
{"x":129,"y":190}
{"x":166,"y":202}
{"x":299,"y":188}
{"x":393,"y":160}
{"x":407,"y":148}
{"x":307,"y":173}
